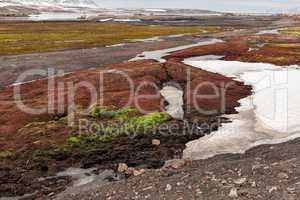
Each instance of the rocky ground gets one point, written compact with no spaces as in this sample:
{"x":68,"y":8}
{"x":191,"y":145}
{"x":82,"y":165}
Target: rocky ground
{"x":265,"y":172}
{"x":35,"y":146}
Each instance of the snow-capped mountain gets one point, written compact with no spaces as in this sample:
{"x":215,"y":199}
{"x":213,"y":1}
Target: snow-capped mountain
{"x":49,"y":3}
{"x":67,"y":3}
{"x":23,"y":8}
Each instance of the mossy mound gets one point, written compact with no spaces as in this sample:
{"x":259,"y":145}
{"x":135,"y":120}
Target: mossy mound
{"x":119,"y":122}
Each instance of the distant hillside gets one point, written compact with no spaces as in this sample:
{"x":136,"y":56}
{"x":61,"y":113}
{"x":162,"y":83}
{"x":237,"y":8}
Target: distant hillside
{"x":19,"y":8}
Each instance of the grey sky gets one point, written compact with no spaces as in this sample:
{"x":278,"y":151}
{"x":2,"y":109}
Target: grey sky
{"x":220,"y":5}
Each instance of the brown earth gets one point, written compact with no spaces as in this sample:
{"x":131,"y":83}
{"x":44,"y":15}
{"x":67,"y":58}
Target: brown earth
{"x":20,"y":174}
{"x":116,"y":92}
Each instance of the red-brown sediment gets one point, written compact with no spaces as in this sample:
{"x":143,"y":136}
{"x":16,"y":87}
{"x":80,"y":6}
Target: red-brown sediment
{"x":236,"y":46}
{"x":116,"y":92}
{"x":238,"y":49}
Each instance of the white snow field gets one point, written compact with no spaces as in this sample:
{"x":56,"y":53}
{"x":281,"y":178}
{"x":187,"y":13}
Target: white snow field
{"x":271,"y":115}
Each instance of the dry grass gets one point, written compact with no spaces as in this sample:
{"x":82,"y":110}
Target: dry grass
{"x":20,"y":38}
{"x":292,"y":30}
{"x":286,"y":45}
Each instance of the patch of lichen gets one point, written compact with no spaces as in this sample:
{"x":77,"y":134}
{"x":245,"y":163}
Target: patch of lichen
{"x":20,"y":38}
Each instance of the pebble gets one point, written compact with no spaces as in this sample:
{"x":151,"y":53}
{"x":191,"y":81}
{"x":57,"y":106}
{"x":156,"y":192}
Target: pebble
{"x":291,"y":190}
{"x":51,"y":194}
{"x":176,"y":164}
{"x":147,"y":188}
{"x":233,"y":193}
{"x":138,"y":172}
{"x":168,"y":187}
{"x":240,"y":181}
{"x":283,"y":175}
{"x":122,"y":167}
{"x":198,"y":191}
{"x":272,"y":189}
{"x":180,"y":183}
{"x":155,"y":142}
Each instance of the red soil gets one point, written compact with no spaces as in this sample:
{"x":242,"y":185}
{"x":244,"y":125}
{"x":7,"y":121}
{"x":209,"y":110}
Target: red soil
{"x":145,"y":74}
{"x":237,"y":46}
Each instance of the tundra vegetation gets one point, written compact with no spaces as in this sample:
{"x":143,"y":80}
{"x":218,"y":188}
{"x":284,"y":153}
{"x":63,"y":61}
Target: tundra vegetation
{"x":29,"y":37}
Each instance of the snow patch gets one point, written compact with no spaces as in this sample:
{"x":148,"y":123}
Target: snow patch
{"x":265,"y":32}
{"x":155,"y":10}
{"x":105,"y":20}
{"x":270,"y":116}
{"x":152,"y":39}
{"x":127,"y":20}
{"x":55,"y":16}
{"x":116,"y":45}
{"x":159,"y":54}
{"x":174,"y":97}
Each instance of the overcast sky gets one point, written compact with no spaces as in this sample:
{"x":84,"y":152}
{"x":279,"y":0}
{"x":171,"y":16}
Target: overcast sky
{"x":219,"y":5}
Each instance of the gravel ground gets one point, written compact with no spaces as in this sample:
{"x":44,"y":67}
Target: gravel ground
{"x":265,"y":172}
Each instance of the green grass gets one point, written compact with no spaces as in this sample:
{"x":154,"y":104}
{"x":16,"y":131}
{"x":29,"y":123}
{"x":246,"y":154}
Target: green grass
{"x":20,"y":38}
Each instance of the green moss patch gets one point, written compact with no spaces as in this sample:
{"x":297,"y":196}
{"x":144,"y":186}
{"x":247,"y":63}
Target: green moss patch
{"x":108,"y":113}
{"x":113,"y":123}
